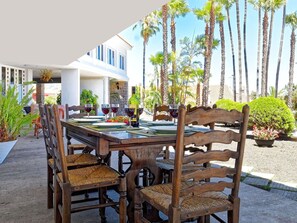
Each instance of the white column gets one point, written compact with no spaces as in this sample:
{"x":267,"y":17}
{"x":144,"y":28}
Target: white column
{"x":106,"y":90}
{"x":70,"y":87}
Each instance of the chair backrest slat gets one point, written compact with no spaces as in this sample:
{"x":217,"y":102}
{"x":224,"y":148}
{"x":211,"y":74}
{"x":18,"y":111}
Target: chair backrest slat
{"x":45,"y":130}
{"x":205,"y":175}
{"x":204,"y":157}
{"x":161,"y":112}
{"x":57,"y":141}
{"x":208,"y":173}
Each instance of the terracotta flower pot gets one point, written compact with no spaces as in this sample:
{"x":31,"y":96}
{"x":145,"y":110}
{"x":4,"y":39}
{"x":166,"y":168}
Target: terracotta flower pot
{"x":264,"y":142}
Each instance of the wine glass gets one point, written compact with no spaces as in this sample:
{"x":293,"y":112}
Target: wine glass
{"x":130,"y":113}
{"x":88,"y":108}
{"x":105,"y":109}
{"x":173,"y":110}
{"x":114,"y":109}
{"x":140,"y":109}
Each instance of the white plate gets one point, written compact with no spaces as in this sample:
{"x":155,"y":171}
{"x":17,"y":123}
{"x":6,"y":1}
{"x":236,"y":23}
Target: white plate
{"x":167,"y":129}
{"x":198,"y":128}
{"x":94,"y":117}
{"x":86,"y":120}
{"x":110,"y":124}
{"x":160,"y":123}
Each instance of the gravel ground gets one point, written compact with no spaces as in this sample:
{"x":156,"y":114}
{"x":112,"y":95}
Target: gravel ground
{"x":280,"y":160}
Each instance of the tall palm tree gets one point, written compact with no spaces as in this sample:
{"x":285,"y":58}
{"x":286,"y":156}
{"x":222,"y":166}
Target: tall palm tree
{"x":273,"y":6}
{"x":291,"y":20}
{"x":227,"y":4}
{"x":280,"y":51}
{"x":265,"y":7}
{"x":149,"y":27}
{"x":176,"y":8}
{"x":239,"y":49}
{"x":157,"y":62}
{"x":164,"y":76}
{"x":245,"y":54}
{"x":208,"y":15}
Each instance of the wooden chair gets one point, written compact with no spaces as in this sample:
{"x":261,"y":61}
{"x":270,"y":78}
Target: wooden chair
{"x":161,"y":112}
{"x":73,"y":161}
{"x":185,"y":199}
{"x":67,"y":182}
{"x":76,"y":111}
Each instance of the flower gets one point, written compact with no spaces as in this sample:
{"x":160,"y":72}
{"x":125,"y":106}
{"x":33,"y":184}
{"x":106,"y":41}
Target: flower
{"x":264,"y":133}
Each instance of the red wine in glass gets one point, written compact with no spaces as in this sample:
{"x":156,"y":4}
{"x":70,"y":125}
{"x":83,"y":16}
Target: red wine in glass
{"x":140,"y":111}
{"x":105,"y":109}
{"x":173,"y":112}
{"x":130,"y":113}
{"x":88,"y":108}
{"x":114,"y":109}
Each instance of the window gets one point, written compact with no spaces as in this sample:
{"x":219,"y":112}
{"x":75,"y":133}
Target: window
{"x":100,"y":52}
{"x":110,"y":56}
{"x":122,"y":62}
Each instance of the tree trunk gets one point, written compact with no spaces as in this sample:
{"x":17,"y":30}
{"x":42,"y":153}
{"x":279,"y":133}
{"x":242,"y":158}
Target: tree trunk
{"x":198,"y":93}
{"x":269,"y":46}
{"x":259,"y":51}
{"x":291,"y":69}
{"x":210,"y":35}
{"x":143,"y":62}
{"x":233,"y":55}
{"x":239,"y":51}
{"x":223,"y":58}
{"x":264,"y":55}
{"x":245,"y":53}
{"x":164,"y":85}
{"x":280,"y":51}
{"x":173,"y":50}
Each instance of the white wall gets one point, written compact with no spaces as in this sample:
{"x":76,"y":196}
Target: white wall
{"x":70,"y":84}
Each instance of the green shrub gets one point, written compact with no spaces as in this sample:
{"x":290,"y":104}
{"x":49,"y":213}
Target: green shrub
{"x":50,"y":100}
{"x":271,"y":112}
{"x":87,"y":97}
{"x":229,"y":104}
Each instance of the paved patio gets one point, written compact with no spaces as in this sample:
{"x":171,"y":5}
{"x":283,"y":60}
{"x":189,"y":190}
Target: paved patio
{"x":23,"y":192}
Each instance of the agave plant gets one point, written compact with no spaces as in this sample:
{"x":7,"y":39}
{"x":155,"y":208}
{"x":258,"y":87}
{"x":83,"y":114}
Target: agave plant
{"x":12,"y":118}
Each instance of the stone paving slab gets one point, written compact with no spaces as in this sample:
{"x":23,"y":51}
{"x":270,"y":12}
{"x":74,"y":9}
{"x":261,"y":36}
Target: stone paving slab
{"x":284,"y":186}
{"x":256,"y":181}
{"x":267,"y":176}
{"x":289,"y":194}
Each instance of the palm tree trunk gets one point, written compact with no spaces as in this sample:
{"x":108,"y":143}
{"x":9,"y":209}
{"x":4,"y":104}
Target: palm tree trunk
{"x":164,"y":85}
{"x":223,"y":58}
{"x":143,"y":62}
{"x":173,"y":50}
{"x":204,"y":102}
{"x":198,"y":93}
{"x":264,"y":55}
{"x":269,"y":46}
{"x":233,"y":55}
{"x":245,"y":54}
{"x":259,"y":51}
{"x":291,"y":69}
{"x":239,"y":50}
{"x":280,"y":51}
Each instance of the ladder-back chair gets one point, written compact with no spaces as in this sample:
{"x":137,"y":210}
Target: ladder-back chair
{"x":205,"y":196}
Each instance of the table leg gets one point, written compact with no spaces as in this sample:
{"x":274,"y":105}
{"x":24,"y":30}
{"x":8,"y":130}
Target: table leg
{"x":142,"y":157}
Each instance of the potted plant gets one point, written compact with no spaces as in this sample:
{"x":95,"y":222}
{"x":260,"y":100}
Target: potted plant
{"x":46,"y":75}
{"x":264,"y":136}
{"x":12,"y":118}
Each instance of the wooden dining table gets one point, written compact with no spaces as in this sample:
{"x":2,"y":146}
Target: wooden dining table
{"x":141,"y":147}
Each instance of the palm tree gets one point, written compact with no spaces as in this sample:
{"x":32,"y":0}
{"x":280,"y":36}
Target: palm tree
{"x":149,"y":27}
{"x":264,"y":49}
{"x":239,"y":49}
{"x":273,"y":5}
{"x":176,"y":8}
{"x":157,"y":61}
{"x":164,"y":76}
{"x":245,"y":54}
{"x":291,"y":20}
{"x":227,"y":4}
{"x":208,"y":15}
{"x":280,"y":51}
{"x":257,"y":5}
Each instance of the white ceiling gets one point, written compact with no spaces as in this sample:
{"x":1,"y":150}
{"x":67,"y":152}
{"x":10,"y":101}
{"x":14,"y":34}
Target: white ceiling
{"x":37,"y":32}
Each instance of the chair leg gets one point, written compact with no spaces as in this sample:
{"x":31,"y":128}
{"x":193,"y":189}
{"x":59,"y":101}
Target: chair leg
{"x":102,"y":194}
{"x":50,"y":191}
{"x":137,"y":206}
{"x":233,"y":215}
{"x":123,"y":200}
{"x":66,"y":199}
{"x":58,"y":201}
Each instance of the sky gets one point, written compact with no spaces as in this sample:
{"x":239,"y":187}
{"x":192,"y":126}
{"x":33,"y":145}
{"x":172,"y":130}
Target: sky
{"x":190,"y":26}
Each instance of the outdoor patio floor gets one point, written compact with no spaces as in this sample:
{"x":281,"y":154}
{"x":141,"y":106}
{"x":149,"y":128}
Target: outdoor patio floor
{"x":23,"y":192}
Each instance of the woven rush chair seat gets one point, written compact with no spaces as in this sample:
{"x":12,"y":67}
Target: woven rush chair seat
{"x":89,"y":176}
{"x":190,"y":205}
{"x":78,"y":160}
